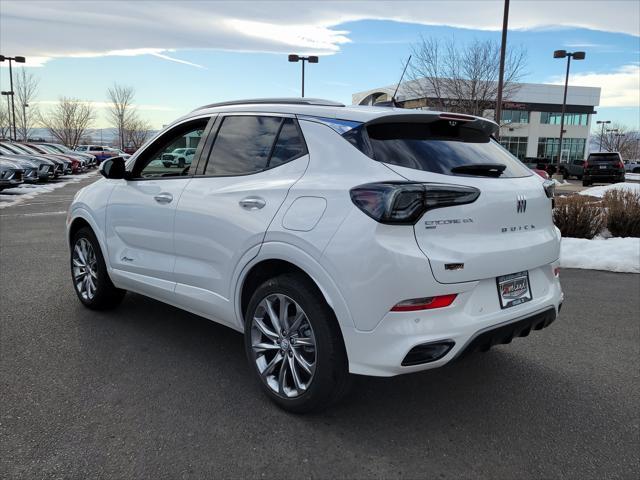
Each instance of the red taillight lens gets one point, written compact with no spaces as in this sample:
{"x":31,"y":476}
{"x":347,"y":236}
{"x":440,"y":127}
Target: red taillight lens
{"x":426,"y":303}
{"x":585,"y":164}
{"x":556,"y":272}
{"x":620,"y":165}
{"x":403,"y":203}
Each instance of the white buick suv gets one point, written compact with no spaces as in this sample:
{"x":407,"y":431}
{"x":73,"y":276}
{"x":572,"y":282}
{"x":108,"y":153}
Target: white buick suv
{"x":340,"y":240}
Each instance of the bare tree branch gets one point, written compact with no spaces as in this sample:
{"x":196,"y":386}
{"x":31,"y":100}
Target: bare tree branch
{"x":121,"y":111}
{"x":69,"y":120}
{"x":27,"y":114}
{"x":137,"y":132}
{"x":464,"y":80}
{"x":619,"y":138}
{"x":5,"y":120}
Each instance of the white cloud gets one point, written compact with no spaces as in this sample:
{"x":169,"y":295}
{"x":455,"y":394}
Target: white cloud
{"x":41,"y":30}
{"x":620,"y":88}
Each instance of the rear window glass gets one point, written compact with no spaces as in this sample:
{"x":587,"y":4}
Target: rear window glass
{"x":604,"y":157}
{"x":436,"y":147}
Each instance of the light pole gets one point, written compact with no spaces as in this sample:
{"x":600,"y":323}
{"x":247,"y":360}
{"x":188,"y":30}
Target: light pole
{"x":298,"y":58}
{"x":568,"y":55}
{"x":618,"y":139}
{"x":503,"y":49}
{"x":9,"y":94}
{"x":602,"y":122}
{"x":24,"y":121}
{"x":13,"y":106}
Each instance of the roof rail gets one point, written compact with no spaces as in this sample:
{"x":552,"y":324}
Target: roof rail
{"x":281,"y":101}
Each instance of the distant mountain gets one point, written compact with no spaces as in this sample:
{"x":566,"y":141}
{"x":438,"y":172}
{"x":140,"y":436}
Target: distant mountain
{"x":96,"y":136}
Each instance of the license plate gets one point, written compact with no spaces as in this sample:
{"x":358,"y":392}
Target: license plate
{"x":603,"y":167}
{"x":513,"y":289}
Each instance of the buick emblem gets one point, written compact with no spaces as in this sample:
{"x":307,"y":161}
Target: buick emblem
{"x":521,"y":204}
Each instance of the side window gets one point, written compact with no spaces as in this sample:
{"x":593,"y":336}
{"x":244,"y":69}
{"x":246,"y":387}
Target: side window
{"x":98,"y":149}
{"x":243,"y":145}
{"x":289,"y":146}
{"x":171,"y":154}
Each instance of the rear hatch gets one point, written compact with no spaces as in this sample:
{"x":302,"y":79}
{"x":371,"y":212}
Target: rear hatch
{"x":604,"y":164}
{"x":507,"y":229}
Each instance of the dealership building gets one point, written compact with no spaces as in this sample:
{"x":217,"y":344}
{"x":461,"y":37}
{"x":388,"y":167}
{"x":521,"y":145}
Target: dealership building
{"x":530,"y":116}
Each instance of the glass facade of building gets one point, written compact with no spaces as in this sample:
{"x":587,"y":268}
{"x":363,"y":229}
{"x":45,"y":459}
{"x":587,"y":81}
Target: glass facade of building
{"x":553,"y":118}
{"x":573,"y":148}
{"x":516,"y":145}
{"x":514,"y":116}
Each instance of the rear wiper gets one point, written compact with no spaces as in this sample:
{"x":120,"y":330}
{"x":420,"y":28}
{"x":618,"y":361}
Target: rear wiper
{"x":480,"y":169}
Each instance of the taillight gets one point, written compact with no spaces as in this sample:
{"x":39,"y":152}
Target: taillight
{"x":403,"y":203}
{"x":621,"y":165}
{"x":585,"y":164}
{"x":426,"y":303}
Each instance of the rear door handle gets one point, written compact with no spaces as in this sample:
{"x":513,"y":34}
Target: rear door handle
{"x":252,"y":203}
{"x":163,"y":198}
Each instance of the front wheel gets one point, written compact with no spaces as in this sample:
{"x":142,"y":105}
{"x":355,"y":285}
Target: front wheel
{"x":89,"y":273}
{"x":294,"y":346}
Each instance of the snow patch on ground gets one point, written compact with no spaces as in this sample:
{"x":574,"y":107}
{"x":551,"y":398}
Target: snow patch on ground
{"x":632,"y":176}
{"x":13,"y":196}
{"x":612,"y":254}
{"x":558,"y":182}
{"x":601,"y":190}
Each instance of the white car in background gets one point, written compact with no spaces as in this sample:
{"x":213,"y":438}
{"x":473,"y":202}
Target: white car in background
{"x":180,"y":157}
{"x":364,"y":240}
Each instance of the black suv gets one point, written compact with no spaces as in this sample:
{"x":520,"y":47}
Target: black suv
{"x":603,"y":167}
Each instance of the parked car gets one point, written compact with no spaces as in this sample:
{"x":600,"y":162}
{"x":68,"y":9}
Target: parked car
{"x":603,"y":167}
{"x":546,"y":164}
{"x":90,"y":159}
{"x":632,"y":166}
{"x":119,"y":153}
{"x":180,"y":157}
{"x":540,"y":173}
{"x":77,"y":164}
{"x":60,"y":164}
{"x":29,"y":168}
{"x":573,"y":168}
{"x":101,"y":153}
{"x":10,"y":174}
{"x":363,"y":240}
{"x":46,"y":168}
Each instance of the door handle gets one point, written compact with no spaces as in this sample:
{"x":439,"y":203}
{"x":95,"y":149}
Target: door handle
{"x":252,"y":203}
{"x":163,"y":198}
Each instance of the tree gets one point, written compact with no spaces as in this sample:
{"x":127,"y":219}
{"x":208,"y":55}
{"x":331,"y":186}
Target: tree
{"x":462,"y":79}
{"x":26,"y":89}
{"x":69,"y":120}
{"x":137,"y":132}
{"x":5,"y":121}
{"x":121,"y":110}
{"x":619,"y":138}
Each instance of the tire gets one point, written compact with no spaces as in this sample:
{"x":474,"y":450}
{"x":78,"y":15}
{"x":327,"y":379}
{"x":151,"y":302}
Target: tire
{"x":565,"y":175}
{"x":104,"y":295}
{"x":636,"y":170}
{"x":585,"y":183}
{"x":326,"y":378}
{"x":579,"y":177}
{"x":181,"y":163}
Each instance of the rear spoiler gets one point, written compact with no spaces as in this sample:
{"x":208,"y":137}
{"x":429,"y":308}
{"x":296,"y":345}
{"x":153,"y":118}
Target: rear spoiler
{"x":488,"y":127}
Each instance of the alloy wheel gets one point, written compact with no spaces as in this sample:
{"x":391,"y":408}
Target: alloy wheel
{"x":283,"y":345}
{"x":85,"y":269}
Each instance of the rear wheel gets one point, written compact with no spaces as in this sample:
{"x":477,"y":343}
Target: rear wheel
{"x":585,"y":183}
{"x":89,"y":273}
{"x":294,"y":346}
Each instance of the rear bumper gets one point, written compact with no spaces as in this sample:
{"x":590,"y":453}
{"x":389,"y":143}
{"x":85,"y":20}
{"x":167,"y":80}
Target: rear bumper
{"x":473,"y":322}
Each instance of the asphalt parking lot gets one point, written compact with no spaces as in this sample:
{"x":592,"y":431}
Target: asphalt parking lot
{"x":149,"y":391}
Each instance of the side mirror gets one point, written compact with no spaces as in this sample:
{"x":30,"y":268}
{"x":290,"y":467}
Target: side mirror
{"x":113,"y":168}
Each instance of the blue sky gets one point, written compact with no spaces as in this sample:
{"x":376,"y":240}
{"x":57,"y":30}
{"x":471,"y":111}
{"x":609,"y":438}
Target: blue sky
{"x":357,"y":54}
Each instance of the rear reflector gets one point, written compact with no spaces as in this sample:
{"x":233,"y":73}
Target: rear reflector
{"x":426,"y":303}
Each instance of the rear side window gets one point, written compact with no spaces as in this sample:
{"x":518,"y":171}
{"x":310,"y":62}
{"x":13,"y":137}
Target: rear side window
{"x":289,"y":145}
{"x":604,"y":157}
{"x":436,"y":147}
{"x":249,"y":144}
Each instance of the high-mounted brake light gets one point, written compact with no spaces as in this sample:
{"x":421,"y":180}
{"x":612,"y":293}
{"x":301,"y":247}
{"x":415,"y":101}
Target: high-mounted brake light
{"x":426,"y":303}
{"x":404,"y":203}
{"x":456,"y":116}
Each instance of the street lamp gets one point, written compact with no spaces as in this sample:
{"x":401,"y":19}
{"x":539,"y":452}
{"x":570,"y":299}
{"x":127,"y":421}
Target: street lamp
{"x":9,"y":94}
{"x":602,"y":122}
{"x":298,"y":58}
{"x":568,"y":55}
{"x":13,"y":107}
{"x":24,"y":121}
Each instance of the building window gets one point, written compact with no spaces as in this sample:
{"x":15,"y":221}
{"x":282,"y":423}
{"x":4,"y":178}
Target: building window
{"x":572,"y":148}
{"x":514,"y":116}
{"x":516,"y":145}
{"x":553,"y":118}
